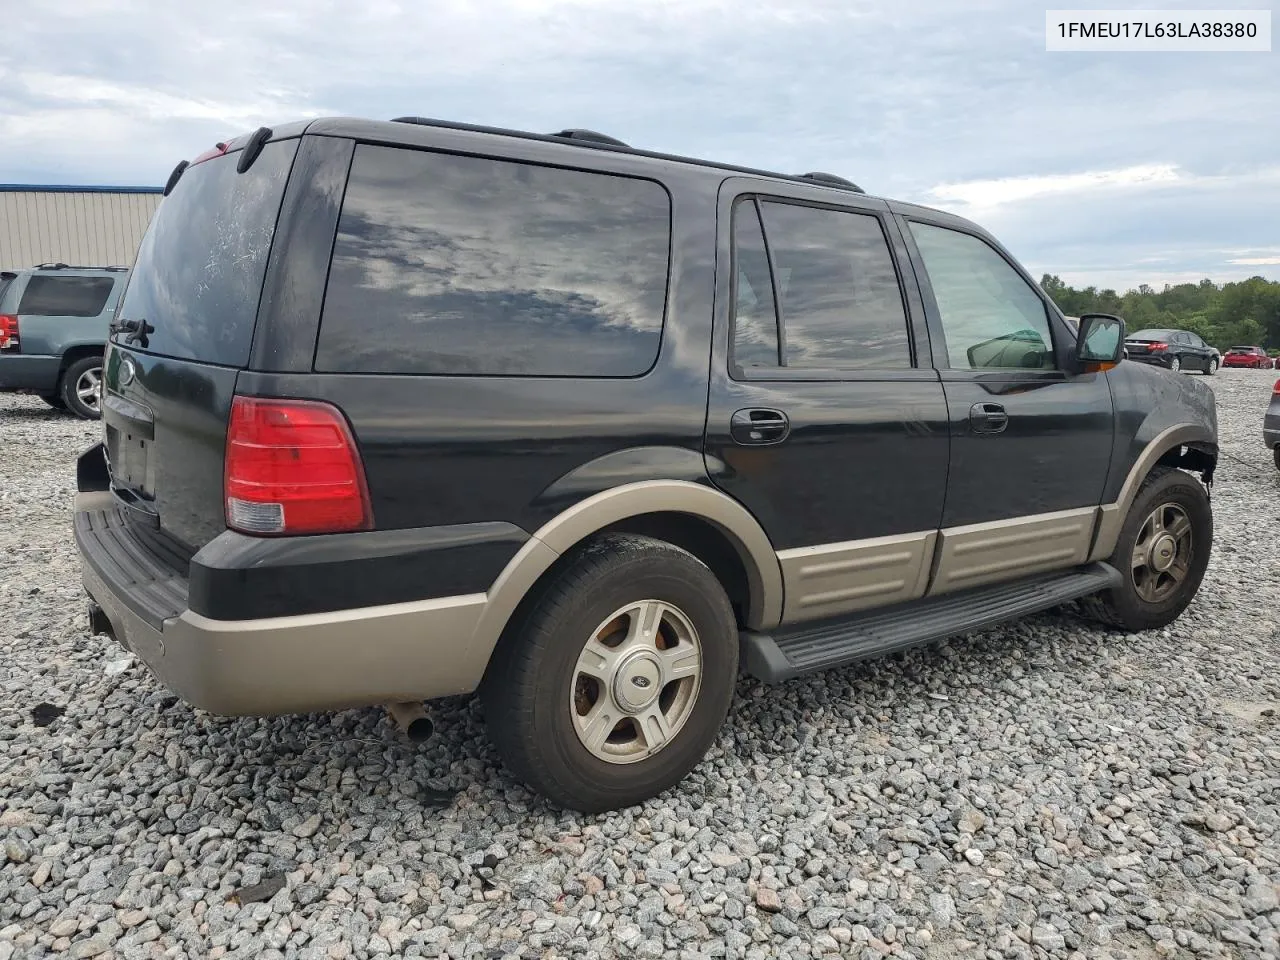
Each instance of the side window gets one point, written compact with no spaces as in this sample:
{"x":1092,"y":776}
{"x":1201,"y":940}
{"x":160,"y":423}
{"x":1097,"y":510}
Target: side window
{"x":755,"y":321}
{"x":991,"y":317}
{"x":53,"y":296}
{"x":448,"y":264}
{"x":837,"y":287}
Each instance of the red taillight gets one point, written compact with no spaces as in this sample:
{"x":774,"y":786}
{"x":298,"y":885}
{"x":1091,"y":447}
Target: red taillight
{"x":217,"y":150}
{"x":1158,"y":347}
{"x":292,"y":466}
{"x":8,"y":331}
{"x":1276,"y":389}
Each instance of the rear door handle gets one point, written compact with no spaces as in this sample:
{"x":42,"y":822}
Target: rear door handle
{"x":759,"y":427}
{"x":988,"y":418}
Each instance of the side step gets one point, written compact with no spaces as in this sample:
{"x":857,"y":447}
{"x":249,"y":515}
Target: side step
{"x":807,"y":648}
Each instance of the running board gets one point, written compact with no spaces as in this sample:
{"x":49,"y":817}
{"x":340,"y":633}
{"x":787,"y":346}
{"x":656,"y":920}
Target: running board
{"x":807,"y":648}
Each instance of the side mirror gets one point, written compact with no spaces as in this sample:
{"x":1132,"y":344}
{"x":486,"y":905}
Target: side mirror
{"x":1099,"y":340}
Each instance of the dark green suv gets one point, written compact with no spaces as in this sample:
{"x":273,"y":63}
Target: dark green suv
{"x":54,"y":321}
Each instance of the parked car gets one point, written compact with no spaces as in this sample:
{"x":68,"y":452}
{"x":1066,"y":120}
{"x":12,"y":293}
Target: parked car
{"x":1271,"y":424}
{"x":1254,"y":357}
{"x":53,"y":330}
{"x":403,"y":410}
{"x":1173,"y":350}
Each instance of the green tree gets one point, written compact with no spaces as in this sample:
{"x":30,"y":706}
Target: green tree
{"x":1240,"y":312}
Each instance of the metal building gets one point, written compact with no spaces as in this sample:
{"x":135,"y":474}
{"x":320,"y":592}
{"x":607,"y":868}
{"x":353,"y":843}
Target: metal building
{"x":87,"y":226}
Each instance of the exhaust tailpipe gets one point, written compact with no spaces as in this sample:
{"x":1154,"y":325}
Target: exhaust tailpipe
{"x":412,"y":720}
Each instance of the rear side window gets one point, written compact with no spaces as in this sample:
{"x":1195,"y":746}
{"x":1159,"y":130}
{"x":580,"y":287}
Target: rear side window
{"x":755,"y":321}
{"x":53,"y":296}
{"x":198,"y":276}
{"x":464,"y":265}
{"x":835,"y":284}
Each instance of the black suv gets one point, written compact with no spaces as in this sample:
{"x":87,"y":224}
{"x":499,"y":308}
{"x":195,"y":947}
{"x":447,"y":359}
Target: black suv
{"x":400,"y":410}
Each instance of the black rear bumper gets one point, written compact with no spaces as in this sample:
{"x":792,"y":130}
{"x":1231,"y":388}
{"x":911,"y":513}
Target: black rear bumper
{"x":1154,"y":360}
{"x":238,"y":577}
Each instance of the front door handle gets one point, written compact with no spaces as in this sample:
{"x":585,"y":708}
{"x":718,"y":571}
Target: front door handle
{"x":988,"y":418}
{"x":759,"y":427}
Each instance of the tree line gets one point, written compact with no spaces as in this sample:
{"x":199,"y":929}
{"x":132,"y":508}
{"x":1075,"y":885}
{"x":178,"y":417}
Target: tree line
{"x":1245,"y":312}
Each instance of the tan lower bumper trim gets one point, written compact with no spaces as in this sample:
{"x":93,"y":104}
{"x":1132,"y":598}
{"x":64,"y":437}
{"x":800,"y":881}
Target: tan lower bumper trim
{"x":323,"y":661}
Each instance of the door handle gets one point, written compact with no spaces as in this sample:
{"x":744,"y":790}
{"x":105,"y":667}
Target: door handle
{"x":988,"y":418}
{"x":759,"y":427}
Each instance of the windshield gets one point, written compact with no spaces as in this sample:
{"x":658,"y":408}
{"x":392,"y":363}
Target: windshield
{"x":199,"y":271}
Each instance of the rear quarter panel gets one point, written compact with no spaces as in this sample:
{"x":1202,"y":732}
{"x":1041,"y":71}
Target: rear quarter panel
{"x":464,"y":449}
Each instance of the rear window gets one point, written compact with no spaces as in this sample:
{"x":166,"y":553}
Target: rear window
{"x":1150,"y":335}
{"x":198,"y":276}
{"x":1242,"y":350}
{"x":464,"y":265}
{"x":53,"y":296}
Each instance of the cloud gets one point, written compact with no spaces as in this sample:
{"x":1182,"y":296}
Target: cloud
{"x":1069,"y":158}
{"x":984,"y":194}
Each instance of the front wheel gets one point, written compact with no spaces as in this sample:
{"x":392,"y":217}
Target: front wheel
{"x":82,"y":388}
{"x":1212,"y":368}
{"x":616,"y":683}
{"x":1275,"y":452}
{"x":1175,"y":364}
{"x":1162,"y":553}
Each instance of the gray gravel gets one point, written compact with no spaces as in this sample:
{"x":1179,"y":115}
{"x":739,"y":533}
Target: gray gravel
{"x":1042,"y":789}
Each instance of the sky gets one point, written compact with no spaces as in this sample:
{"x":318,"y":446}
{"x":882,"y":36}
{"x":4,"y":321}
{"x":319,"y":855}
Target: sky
{"x":1111,"y":169}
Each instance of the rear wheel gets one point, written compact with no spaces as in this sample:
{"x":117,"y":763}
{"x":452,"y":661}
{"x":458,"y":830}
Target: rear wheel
{"x":1275,"y":452}
{"x":82,"y":386}
{"x":1175,"y":364}
{"x":618,"y":680}
{"x":1161,"y":554}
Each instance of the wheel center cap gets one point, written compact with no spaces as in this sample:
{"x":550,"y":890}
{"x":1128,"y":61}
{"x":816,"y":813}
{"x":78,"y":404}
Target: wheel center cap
{"x":1163,"y":551}
{"x":637,"y":682}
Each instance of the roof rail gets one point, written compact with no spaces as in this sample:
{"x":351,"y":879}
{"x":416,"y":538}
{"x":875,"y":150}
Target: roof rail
{"x":591,"y":136}
{"x":831,"y":180}
{"x":600,"y":141}
{"x":72,"y":266}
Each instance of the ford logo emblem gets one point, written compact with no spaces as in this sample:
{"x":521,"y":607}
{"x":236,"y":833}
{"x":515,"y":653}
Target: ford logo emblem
{"x":128,"y":370}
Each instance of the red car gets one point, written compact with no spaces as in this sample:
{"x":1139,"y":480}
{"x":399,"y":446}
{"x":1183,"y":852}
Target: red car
{"x":1254,"y":357}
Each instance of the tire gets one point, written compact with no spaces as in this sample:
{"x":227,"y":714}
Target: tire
{"x":1275,"y":452}
{"x":1125,"y":606}
{"x":53,"y":400}
{"x":1212,"y":368}
{"x":1175,"y":364}
{"x":537,"y":695}
{"x":78,"y":378}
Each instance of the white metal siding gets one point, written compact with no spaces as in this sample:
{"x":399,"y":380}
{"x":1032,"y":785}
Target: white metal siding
{"x":86,"y":229}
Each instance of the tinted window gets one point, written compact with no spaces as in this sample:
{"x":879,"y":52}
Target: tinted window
{"x":755,"y":322}
{"x":53,"y":296}
{"x":837,"y":289}
{"x":460,"y":265}
{"x":199,"y":270}
{"x":991,"y":316}
{"x":1150,"y":335}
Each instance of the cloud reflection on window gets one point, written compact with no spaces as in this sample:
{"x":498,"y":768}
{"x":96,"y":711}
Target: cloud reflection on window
{"x":460,"y":265}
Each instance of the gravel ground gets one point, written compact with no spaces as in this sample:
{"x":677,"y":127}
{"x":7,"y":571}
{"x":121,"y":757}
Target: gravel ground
{"x":1042,"y":789}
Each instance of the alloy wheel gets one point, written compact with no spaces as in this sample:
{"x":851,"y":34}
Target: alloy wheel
{"x":636,"y":681}
{"x":1162,"y":554}
{"x":89,"y":389}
